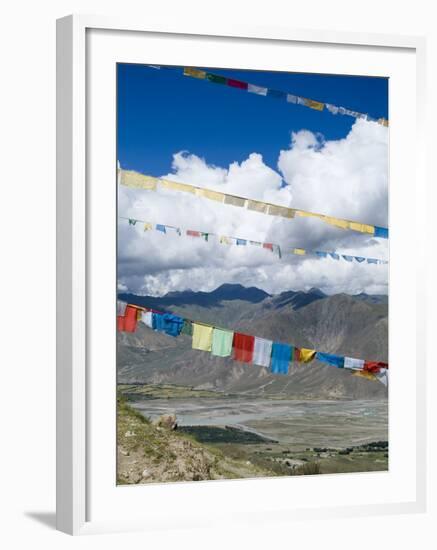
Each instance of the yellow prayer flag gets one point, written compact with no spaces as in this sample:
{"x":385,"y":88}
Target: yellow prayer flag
{"x":317,"y":105}
{"x":257,"y":206}
{"x":225,"y":240}
{"x":337,"y":222}
{"x":299,"y":251}
{"x":281,"y":211}
{"x":383,"y":121}
{"x":137,"y":180}
{"x":365,"y":374}
{"x":208,"y":194}
{"x":148,"y":226}
{"x":176,"y":186}
{"x":234,"y":201}
{"x":202,"y":337}
{"x":362,"y":227}
{"x":307,"y":355}
{"x":305,"y":214}
{"x":196,"y":73}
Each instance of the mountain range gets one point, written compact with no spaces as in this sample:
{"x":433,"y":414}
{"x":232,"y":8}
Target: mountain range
{"x":356,"y":326}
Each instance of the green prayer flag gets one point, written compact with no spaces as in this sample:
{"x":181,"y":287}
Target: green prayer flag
{"x":187,"y":328}
{"x":215,"y":78}
{"x":222,"y":342}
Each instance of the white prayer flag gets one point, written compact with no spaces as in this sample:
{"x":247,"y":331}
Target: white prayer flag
{"x":355,"y":364}
{"x":147,"y":318}
{"x":256,"y":89}
{"x":262,"y":352}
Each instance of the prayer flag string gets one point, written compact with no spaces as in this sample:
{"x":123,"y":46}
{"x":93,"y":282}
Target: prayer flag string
{"x":223,"y":342}
{"x":135,"y":180}
{"x":238,"y":241}
{"x":276,"y":94}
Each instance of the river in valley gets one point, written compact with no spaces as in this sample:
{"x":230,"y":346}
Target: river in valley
{"x":296,"y":423}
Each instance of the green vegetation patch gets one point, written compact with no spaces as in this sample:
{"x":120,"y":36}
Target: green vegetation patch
{"x":218,"y":434}
{"x":162,"y":391}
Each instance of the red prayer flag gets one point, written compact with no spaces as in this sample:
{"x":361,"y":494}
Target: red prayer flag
{"x":243,"y":347}
{"x":374,"y":366}
{"x":120,"y":323}
{"x":268,"y":245}
{"x":296,"y":355}
{"x":193,"y":233}
{"x":236,"y":84}
{"x":130,"y":319}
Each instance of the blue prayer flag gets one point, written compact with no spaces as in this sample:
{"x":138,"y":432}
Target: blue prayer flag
{"x":241,"y":241}
{"x":160,"y":227}
{"x":168,"y":323}
{"x":347,"y":258}
{"x":321,"y":254}
{"x":372,"y":261}
{"x":381,"y":232}
{"x":334,"y":256}
{"x":331,"y":359}
{"x":278,"y":94}
{"x":281,"y":356}
{"x":359,"y":259}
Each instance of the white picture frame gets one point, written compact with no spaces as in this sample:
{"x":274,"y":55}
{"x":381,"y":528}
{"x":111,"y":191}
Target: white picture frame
{"x":74,"y":393}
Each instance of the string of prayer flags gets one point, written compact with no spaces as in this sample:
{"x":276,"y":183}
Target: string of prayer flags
{"x":278,"y":94}
{"x":261,"y":207}
{"x":245,"y":348}
{"x":275,"y":248}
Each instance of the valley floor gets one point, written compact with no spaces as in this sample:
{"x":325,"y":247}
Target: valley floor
{"x":226,"y":437}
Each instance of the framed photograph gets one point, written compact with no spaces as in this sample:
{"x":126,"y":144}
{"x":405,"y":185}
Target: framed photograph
{"x":240,"y":328}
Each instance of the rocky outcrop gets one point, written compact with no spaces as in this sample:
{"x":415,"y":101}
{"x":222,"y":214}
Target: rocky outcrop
{"x":155,"y":453}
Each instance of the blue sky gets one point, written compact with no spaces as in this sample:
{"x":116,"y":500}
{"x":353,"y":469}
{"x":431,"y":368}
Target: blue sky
{"x":258,"y":147}
{"x":161,"y":112}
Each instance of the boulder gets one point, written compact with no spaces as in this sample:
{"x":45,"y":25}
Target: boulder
{"x":167,"y":421}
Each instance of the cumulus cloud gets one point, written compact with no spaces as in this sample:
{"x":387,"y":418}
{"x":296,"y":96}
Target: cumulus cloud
{"x":345,"y":178}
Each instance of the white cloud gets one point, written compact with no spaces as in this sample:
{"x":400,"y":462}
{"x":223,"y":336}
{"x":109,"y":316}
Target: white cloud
{"x":346,"y":178}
